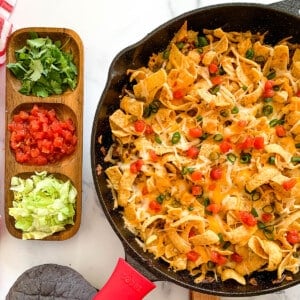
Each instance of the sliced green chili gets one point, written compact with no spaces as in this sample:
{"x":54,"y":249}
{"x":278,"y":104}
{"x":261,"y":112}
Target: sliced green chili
{"x":226,"y":245}
{"x":295,"y":159}
{"x":204,"y":136}
{"x":224,"y":113}
{"x":190,"y":208}
{"x":180,"y":45}
{"x":250,"y":53}
{"x":187,"y":170}
{"x":235,"y":110}
{"x":297,"y":145}
{"x":214,"y":89}
{"x":157,"y":139}
{"x":218,"y":137}
{"x":254,"y":212}
{"x":260,"y":59}
{"x":267,"y":110}
{"x":245,"y":158}
{"x":214,"y":156}
{"x":160,"y":198}
{"x":199,"y":118}
{"x":221,"y":71}
{"x":272,"y":74}
{"x":176,"y":137}
{"x":269,"y":232}
{"x":271,"y":160}
{"x":268,"y":208}
{"x":206,"y":202}
{"x":255,"y":195}
{"x":166,"y":54}
{"x":275,"y":122}
{"x":268,"y":99}
{"x":202,"y":41}
{"x":231,"y":157}
{"x":220,"y":235}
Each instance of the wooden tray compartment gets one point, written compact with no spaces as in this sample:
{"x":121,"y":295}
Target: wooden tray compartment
{"x":67,"y":105}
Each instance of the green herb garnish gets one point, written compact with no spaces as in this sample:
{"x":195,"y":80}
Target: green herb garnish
{"x":44,"y":68}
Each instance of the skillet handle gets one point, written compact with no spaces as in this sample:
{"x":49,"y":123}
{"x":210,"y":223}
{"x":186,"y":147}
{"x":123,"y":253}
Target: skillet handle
{"x":125,"y":283}
{"x":289,"y":6}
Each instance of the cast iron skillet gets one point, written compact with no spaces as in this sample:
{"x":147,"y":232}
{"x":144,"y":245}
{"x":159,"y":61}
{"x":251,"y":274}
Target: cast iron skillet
{"x":280,"y":20}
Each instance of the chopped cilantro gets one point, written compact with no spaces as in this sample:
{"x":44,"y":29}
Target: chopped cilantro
{"x":44,"y":68}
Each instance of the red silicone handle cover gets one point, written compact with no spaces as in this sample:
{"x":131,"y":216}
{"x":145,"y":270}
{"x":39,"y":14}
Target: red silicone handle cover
{"x":125,"y":283}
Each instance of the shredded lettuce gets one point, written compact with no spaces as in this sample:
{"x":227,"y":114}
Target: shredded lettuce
{"x":42,"y":204}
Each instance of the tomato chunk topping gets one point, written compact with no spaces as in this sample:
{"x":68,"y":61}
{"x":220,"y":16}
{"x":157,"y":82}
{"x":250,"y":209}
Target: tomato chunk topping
{"x":218,"y":258}
{"x":293,"y":236}
{"x":247,"y":218}
{"x":39,"y":137}
{"x":192,"y":255}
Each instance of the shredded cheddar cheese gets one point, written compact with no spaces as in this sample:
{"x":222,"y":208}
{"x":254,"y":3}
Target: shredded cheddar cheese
{"x":205,"y":159}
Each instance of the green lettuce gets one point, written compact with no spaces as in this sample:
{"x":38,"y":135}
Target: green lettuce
{"x":42,"y":204}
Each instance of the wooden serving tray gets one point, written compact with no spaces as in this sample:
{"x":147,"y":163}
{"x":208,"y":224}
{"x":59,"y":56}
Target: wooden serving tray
{"x":68,"y":104}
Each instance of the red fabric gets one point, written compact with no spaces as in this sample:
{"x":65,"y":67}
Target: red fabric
{"x":6,"y":8}
{"x":6,"y":5}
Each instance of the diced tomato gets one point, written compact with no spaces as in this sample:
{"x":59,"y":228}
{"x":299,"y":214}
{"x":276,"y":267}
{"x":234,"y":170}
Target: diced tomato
{"x":148,"y":129}
{"x":192,"y":152}
{"x":178,"y":94}
{"x":192,"y":255}
{"x":153,"y":155}
{"x":136,"y":166}
{"x":268,"y":89}
{"x":242,"y":123}
{"x":34,"y":152}
{"x":197,"y":190}
{"x":216,"y":173}
{"x":195,"y":132}
{"x":214,"y":208}
{"x":58,"y":142}
{"x":289,"y":184}
{"x":35,"y":125}
{"x":298,"y":93}
{"x":21,"y":157}
{"x":216,"y":80}
{"x":266,"y":217}
{"x":23,"y":115}
{"x":40,"y":160}
{"x":236,"y":257}
{"x":218,"y":258}
{"x":139,"y":125}
{"x":246,"y":144}
{"x":213,"y":68}
{"x":145,"y":190}
{"x":259,"y":142}
{"x":155,"y":206}
{"x":39,"y":137}
{"x":196,"y":175}
{"x":280,"y":131}
{"x":268,"y":93}
{"x":293,"y":236}
{"x":269,"y":85}
{"x":225,"y":146}
{"x":247,"y":218}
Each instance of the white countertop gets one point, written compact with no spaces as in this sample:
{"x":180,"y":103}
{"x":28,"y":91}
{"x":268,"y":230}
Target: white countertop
{"x":105,"y":27}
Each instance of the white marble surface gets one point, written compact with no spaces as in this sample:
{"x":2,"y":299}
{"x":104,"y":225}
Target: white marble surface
{"x":106,"y":27}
